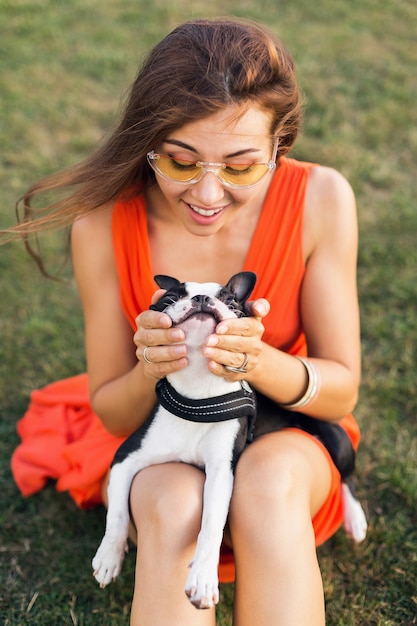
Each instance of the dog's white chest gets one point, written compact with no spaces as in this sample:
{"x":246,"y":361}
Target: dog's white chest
{"x":170,"y":438}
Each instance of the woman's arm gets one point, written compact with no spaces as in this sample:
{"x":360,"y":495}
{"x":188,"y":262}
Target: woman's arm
{"x":329,"y":299}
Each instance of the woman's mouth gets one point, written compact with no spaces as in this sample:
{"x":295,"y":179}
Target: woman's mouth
{"x":205,"y":212}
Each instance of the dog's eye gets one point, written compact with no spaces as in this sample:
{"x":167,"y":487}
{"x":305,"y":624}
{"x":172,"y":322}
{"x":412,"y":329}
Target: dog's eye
{"x":230,"y":301}
{"x":168,"y":299}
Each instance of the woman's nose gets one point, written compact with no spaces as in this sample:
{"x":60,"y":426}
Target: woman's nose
{"x":208,"y":191}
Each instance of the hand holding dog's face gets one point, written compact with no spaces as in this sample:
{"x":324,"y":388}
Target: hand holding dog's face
{"x":166,"y":348}
{"x":237,"y":337}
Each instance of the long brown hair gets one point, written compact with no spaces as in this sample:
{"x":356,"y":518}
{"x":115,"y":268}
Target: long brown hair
{"x":198,"y":69}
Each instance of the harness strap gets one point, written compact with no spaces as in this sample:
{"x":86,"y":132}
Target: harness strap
{"x":237,"y":404}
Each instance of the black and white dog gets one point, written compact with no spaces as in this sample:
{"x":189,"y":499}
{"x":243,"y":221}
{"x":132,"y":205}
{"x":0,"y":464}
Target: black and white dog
{"x":206,"y":421}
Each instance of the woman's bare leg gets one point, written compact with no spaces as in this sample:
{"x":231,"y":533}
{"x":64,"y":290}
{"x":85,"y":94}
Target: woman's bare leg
{"x":166,"y":505}
{"x":281,"y":481}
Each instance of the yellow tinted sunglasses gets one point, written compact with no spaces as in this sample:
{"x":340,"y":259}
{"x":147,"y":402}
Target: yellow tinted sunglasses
{"x":234,"y":175}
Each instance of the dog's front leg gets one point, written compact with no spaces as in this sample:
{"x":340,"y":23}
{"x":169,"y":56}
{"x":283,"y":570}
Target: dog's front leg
{"x":202,"y":586}
{"x":109,"y":557}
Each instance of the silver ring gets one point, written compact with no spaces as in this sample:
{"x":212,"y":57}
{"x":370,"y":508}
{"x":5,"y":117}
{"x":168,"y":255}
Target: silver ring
{"x":145,"y":358}
{"x":239,"y":370}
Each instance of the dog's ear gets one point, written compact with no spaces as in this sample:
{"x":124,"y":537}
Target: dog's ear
{"x":241,"y":285}
{"x":166,"y":282}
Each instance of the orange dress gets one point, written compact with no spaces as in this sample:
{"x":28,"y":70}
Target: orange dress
{"x":64,"y":440}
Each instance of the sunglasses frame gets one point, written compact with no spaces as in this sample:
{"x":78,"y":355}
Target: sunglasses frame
{"x":214,"y":168}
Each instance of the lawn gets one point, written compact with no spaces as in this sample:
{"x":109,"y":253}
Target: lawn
{"x":64,"y":67}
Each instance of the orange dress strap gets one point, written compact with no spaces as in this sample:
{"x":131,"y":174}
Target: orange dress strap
{"x":276,"y":255}
{"x":133,"y":256}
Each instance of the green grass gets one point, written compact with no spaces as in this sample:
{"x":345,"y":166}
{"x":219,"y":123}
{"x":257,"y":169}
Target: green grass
{"x":63,"y":67}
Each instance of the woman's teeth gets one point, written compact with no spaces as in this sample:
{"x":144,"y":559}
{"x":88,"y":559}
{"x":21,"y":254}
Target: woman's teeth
{"x":204,"y":212}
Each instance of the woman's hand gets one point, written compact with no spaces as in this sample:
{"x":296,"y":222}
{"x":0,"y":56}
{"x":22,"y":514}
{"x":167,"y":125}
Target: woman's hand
{"x":159,"y":347}
{"x":237,"y":343}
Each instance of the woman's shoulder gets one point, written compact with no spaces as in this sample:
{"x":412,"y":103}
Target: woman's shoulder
{"x":96,"y":219}
{"x":91,"y":241}
{"x":328,"y":191}
{"x":330,"y":208}
{"x":324,"y":179}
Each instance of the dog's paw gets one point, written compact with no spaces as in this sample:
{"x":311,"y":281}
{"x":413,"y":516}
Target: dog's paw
{"x":202,"y":586}
{"x":108,"y":560}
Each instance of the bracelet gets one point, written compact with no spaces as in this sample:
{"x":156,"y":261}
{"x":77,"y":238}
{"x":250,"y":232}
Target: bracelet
{"x":313,"y":386}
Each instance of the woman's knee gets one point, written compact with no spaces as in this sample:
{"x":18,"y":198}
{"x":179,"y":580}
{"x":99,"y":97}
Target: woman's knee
{"x":269,"y":478}
{"x":167,"y":500}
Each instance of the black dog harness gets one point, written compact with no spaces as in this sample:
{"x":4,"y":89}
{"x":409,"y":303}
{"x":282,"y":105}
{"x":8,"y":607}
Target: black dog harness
{"x":234,"y":405}
{"x":242,"y":404}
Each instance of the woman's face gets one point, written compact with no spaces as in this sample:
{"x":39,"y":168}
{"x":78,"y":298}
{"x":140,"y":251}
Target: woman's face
{"x":207,"y":205}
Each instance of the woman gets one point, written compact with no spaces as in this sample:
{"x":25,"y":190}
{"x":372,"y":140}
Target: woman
{"x":194,"y":183}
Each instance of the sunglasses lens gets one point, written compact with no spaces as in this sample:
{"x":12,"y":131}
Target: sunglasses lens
{"x":243,"y":175}
{"x":233,"y":175}
{"x":178,"y":170}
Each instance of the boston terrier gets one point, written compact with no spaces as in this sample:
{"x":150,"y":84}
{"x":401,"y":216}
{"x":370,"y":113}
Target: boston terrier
{"x":206,"y":421}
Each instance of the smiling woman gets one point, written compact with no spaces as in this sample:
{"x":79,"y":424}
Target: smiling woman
{"x":195,"y":181}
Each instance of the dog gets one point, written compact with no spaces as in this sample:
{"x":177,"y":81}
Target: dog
{"x":203,"y":420}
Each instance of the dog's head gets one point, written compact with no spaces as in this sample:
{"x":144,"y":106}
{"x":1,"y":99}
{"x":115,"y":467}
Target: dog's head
{"x":202,"y":301}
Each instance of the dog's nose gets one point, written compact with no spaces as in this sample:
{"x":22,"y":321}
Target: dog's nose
{"x":202,"y":299}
